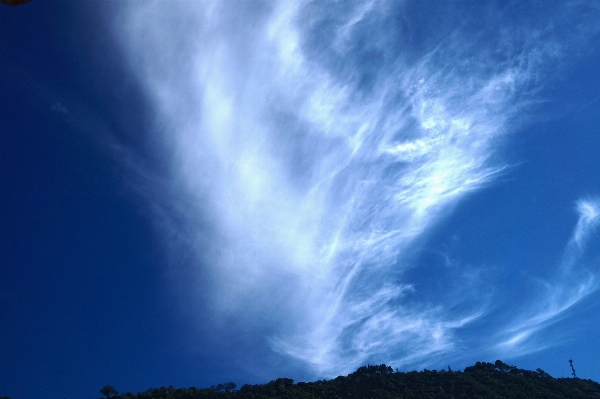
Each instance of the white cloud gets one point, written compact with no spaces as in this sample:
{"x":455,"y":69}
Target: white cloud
{"x":589,"y":219}
{"x":317,"y":189}
{"x":571,"y":284}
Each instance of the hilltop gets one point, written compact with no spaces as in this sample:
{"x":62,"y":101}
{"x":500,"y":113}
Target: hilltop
{"x":482,"y":380}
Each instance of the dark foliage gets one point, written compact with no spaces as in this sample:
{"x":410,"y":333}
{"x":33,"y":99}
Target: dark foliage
{"x":482,"y":380}
{"x":109,"y":392}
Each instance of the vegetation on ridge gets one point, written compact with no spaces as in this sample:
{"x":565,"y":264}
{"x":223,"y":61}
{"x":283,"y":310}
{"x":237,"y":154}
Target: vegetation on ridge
{"x":482,"y":380}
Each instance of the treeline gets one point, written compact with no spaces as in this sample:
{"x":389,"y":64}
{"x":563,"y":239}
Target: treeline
{"x":482,"y":380}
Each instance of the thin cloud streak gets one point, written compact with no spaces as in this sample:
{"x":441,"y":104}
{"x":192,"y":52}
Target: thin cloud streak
{"x":318,"y":179}
{"x":572,"y":284}
{"x":589,"y":219}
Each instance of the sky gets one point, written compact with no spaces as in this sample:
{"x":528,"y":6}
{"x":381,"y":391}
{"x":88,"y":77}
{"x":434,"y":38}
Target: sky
{"x":200,"y":192}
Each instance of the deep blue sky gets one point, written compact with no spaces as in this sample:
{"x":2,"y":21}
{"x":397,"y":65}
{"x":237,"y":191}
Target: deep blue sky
{"x":201,"y":192}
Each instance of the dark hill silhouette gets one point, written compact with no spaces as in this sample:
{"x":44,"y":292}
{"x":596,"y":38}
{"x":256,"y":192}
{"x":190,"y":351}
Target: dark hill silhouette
{"x":482,"y":380}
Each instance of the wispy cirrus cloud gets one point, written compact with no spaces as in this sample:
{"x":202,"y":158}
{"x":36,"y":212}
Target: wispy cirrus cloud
{"x":589,"y":219}
{"x":571,"y":283}
{"x":320,"y":153}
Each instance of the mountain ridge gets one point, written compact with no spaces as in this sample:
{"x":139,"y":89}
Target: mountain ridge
{"x":482,"y":380}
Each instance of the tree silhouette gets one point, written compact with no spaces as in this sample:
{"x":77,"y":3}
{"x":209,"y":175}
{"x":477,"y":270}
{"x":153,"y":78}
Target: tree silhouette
{"x":109,"y":392}
{"x":572,"y":368}
{"x":482,"y":380}
{"x":225,"y":387}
